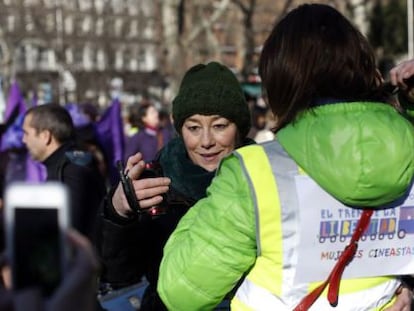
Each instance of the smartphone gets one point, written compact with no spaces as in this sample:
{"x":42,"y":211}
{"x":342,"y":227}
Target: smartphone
{"x":36,"y":219}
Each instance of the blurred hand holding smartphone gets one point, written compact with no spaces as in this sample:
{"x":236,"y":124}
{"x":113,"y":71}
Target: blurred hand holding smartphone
{"x":36,"y":221}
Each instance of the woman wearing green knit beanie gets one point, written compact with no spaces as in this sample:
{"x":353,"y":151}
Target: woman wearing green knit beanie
{"x":211,"y":89}
{"x":212,"y":118}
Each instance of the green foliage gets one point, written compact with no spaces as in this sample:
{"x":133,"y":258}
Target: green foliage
{"x":388,"y":27}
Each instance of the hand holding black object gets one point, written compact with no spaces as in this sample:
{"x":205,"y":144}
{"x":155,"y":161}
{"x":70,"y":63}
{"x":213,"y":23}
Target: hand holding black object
{"x":152,"y":170}
{"x":128,"y":188}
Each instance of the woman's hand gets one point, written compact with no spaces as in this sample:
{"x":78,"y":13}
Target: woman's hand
{"x":148,"y":191}
{"x":77,"y":290}
{"x":400,"y":74}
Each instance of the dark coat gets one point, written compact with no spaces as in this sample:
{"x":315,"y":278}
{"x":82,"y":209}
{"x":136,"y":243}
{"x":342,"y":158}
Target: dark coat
{"x":86,"y":185}
{"x":132,"y":248}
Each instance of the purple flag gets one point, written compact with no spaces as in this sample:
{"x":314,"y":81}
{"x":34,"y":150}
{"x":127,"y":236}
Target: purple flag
{"x":79,"y":118}
{"x":15,"y":109}
{"x":13,"y":136}
{"x":110,"y":135}
{"x":34,"y":100}
{"x":14,"y":101}
{"x":12,"y":140}
{"x":21,"y":167}
{"x":35,"y":171}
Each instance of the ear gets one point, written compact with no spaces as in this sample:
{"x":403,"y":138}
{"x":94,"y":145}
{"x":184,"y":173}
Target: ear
{"x":46,"y":136}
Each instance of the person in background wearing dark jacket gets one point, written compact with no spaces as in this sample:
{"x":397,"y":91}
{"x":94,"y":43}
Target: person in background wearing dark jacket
{"x":212,"y":118}
{"x":48,"y":134}
{"x":148,"y":139}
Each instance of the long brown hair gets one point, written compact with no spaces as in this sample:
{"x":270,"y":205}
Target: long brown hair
{"x":315,"y":52}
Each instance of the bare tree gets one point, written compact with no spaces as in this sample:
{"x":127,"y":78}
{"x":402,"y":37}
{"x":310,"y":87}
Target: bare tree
{"x":248,"y":10}
{"x":188,"y":33}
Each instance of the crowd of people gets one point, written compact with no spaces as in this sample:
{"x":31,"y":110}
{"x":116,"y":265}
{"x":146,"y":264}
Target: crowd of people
{"x":220,"y":219}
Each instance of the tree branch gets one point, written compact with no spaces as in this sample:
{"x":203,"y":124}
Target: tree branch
{"x":242,"y":7}
{"x":216,"y":15}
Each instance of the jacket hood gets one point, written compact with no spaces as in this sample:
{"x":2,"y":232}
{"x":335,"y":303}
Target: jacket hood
{"x":361,"y":153}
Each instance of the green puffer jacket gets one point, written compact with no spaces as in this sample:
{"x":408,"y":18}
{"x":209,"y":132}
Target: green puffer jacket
{"x":362,"y":153}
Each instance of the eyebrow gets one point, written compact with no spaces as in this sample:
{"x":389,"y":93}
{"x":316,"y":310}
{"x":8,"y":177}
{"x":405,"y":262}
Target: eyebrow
{"x":215,"y":117}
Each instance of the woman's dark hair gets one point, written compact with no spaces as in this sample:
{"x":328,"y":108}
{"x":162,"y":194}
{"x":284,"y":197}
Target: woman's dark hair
{"x":315,"y":52}
{"x":137,"y":112}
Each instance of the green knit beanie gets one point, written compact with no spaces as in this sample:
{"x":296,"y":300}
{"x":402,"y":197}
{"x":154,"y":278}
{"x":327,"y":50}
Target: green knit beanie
{"x":211,"y":89}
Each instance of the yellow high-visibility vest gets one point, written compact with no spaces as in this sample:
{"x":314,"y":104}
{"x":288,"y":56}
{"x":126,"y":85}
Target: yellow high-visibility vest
{"x":269,"y":284}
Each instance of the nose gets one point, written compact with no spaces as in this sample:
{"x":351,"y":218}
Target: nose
{"x":207,"y":139}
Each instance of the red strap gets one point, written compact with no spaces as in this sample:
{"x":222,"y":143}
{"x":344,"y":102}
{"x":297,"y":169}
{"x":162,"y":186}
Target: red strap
{"x":334,"y":277}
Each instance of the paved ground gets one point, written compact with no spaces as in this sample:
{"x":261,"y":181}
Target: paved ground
{"x":129,"y":299}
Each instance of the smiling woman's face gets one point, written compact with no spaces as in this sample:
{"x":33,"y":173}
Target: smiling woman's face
{"x":208,"y":139}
